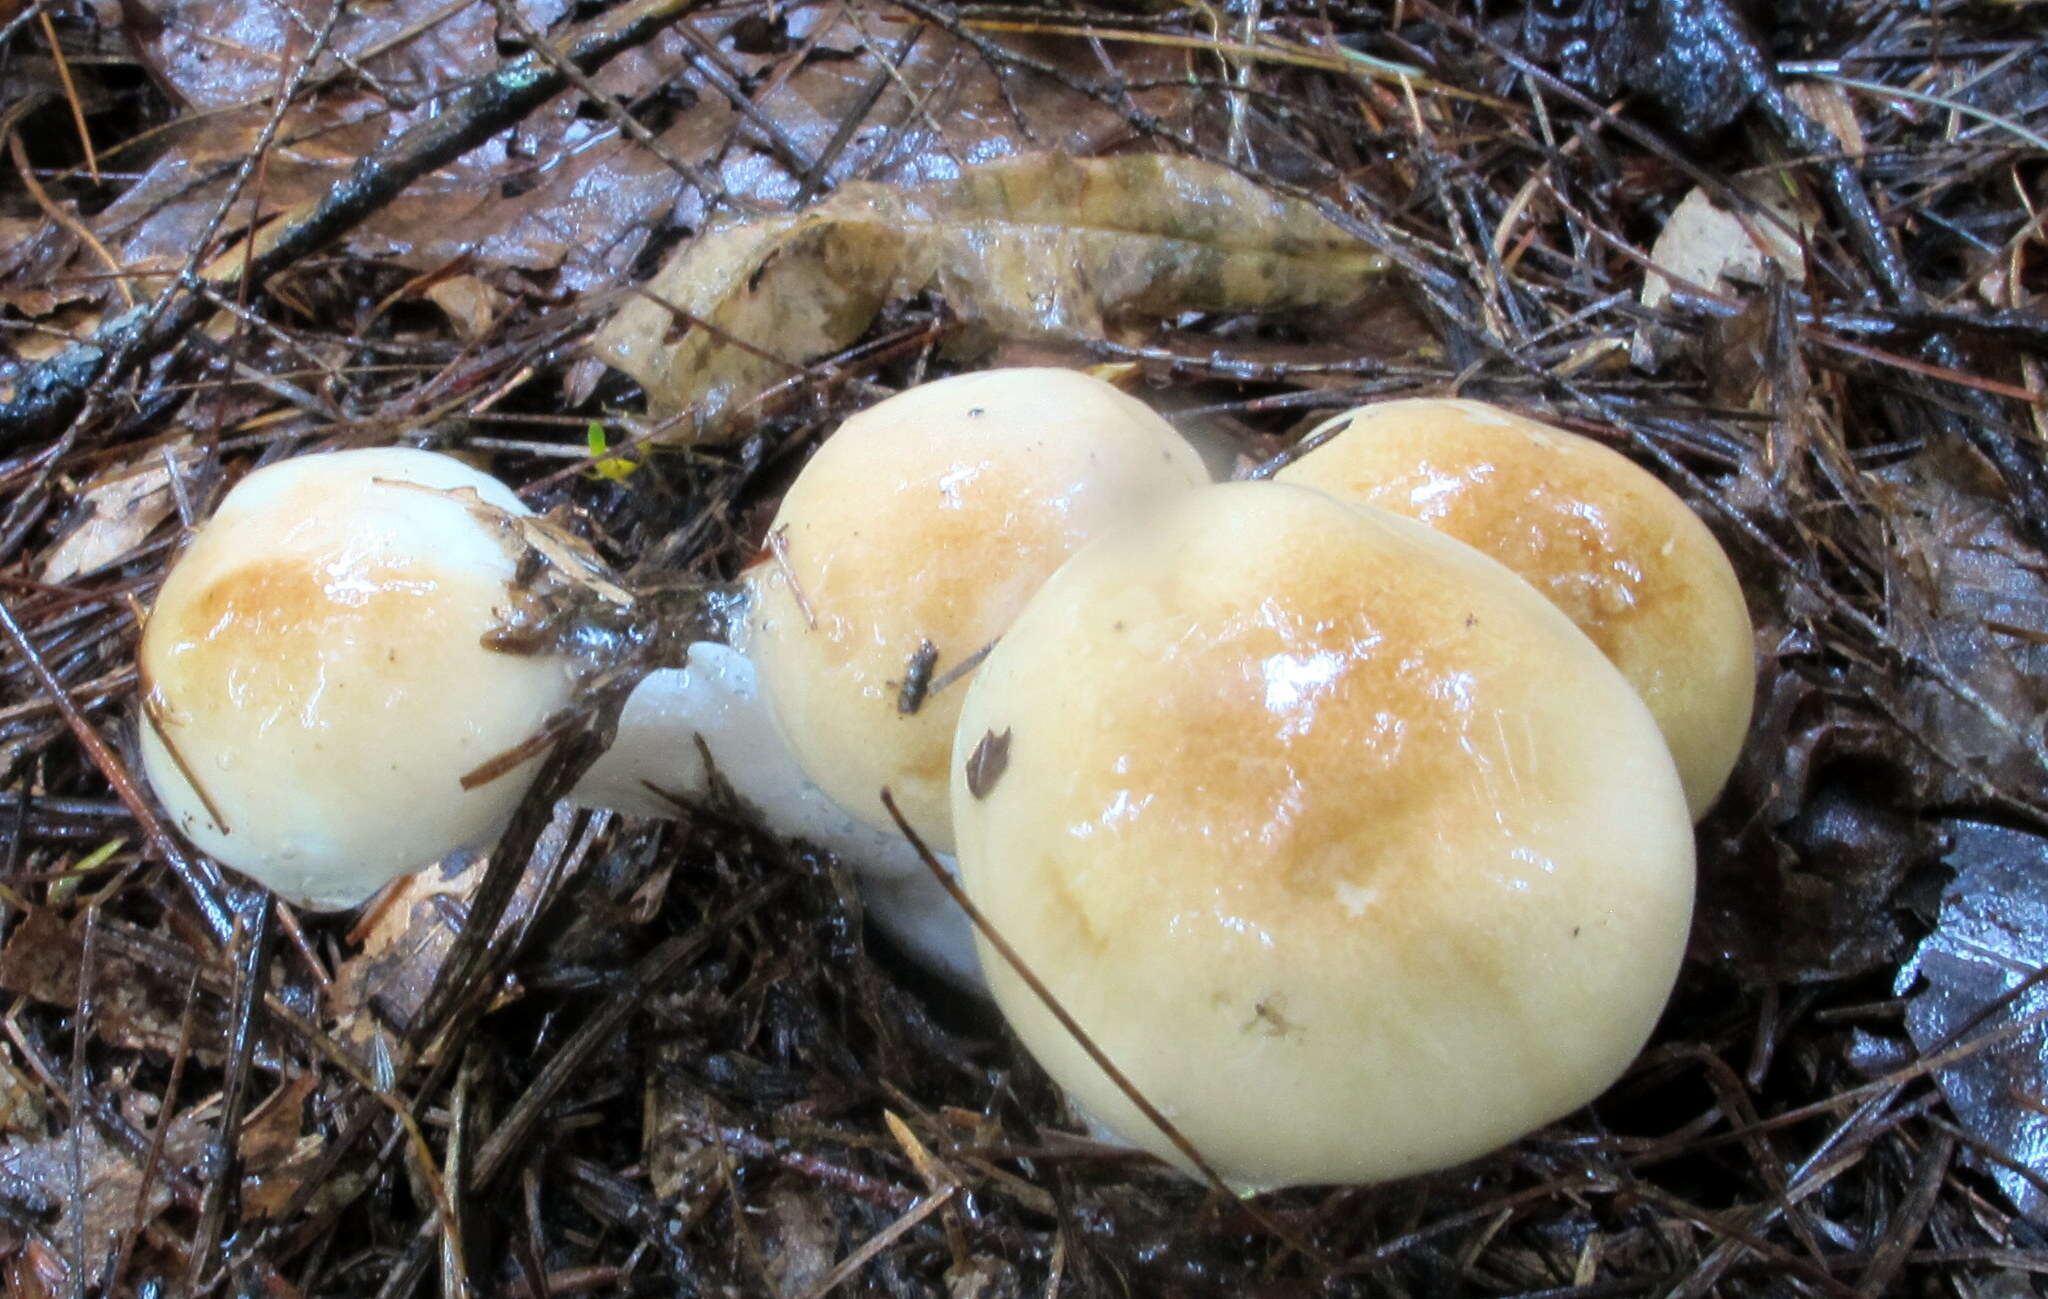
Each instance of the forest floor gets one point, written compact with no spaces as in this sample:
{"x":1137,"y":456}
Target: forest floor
{"x":666,"y":1057}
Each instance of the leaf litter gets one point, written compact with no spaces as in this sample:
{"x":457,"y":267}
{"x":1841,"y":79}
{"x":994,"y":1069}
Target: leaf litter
{"x":1043,"y":245}
{"x":681,"y":1065}
{"x":1975,"y":998}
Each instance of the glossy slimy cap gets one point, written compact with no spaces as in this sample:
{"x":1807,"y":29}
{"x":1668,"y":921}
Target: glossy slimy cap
{"x":1348,"y":848}
{"x":1610,"y":545}
{"x":928,"y":520}
{"x":315,"y":666}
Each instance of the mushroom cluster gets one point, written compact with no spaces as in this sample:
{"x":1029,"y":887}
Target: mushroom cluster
{"x":1366,"y":793}
{"x":1285,"y":795}
{"x":898,"y":556}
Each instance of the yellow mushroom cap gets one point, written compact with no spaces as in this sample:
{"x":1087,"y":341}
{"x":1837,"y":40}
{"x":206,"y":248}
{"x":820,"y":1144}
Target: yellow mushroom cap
{"x":931,"y":517}
{"x":314,"y":662}
{"x":1612,"y":546}
{"x":1352,"y":853}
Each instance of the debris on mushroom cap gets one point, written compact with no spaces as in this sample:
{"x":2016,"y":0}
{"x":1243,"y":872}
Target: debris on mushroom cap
{"x":907,"y":544}
{"x":1352,"y":853}
{"x":1608,"y":543}
{"x":316,"y":682}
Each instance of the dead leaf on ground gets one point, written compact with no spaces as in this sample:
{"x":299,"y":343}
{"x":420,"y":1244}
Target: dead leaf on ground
{"x":277,"y":1149}
{"x":983,"y":1276}
{"x":271,"y":1132}
{"x":567,"y":191}
{"x":1804,"y":855}
{"x":123,"y":507}
{"x":681,"y":1162}
{"x":1043,"y":245}
{"x":32,"y":250}
{"x":37,"y":1175}
{"x":1992,"y":938}
{"x":470,"y":304}
{"x":405,"y":936}
{"x":1831,"y":106}
{"x":799,"y":1237}
{"x":1709,"y":247}
{"x":1970,"y":593}
{"x":132,"y":1008}
{"x":559,"y":187}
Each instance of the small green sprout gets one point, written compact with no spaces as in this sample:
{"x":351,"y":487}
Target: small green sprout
{"x":615,"y":469}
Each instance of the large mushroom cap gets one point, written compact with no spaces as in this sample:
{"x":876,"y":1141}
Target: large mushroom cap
{"x":1346,"y":846}
{"x":929,"y":519}
{"x":314,"y":664}
{"x":1610,"y":545}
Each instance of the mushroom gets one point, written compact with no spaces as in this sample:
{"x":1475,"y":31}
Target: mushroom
{"x":317,"y":682}
{"x":1608,"y":543}
{"x":907,"y":544}
{"x":1351,"y":853}
{"x":898,"y":556}
{"x":960,"y":495}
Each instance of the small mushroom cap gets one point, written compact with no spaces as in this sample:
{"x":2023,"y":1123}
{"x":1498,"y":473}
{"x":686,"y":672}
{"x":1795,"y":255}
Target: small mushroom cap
{"x":932,"y":517}
{"x":1352,"y":853}
{"x":1612,"y":546}
{"x":314,"y":662}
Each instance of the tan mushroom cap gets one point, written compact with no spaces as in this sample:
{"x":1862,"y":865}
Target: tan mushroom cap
{"x":314,"y":662}
{"x":1354,"y":855}
{"x":1610,"y":545}
{"x":932,"y":517}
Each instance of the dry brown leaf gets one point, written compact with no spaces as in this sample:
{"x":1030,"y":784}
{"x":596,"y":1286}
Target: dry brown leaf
{"x":1042,"y":245}
{"x":54,"y":333}
{"x":38,"y":1175}
{"x":1706,"y":245}
{"x":1710,"y":248}
{"x":271,"y":1132}
{"x":471,"y":305}
{"x":37,"y":1272}
{"x":277,"y":1149}
{"x":124,"y":506}
{"x":566,"y":191}
{"x":131,"y":1008}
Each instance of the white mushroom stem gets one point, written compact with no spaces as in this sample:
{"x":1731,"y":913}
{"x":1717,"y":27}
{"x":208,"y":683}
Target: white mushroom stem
{"x":656,"y":766}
